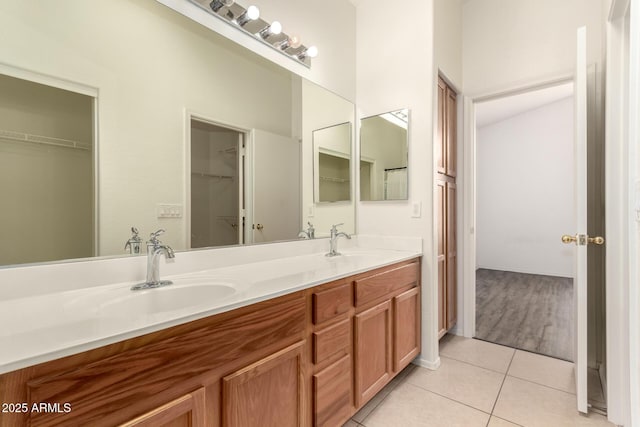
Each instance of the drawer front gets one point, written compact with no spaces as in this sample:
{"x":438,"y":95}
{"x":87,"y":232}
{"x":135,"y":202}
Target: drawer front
{"x":373,"y":287}
{"x":332,"y":394}
{"x":331,"y":340}
{"x":331,"y":303}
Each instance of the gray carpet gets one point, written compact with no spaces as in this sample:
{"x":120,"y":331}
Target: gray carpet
{"x":526,"y":311}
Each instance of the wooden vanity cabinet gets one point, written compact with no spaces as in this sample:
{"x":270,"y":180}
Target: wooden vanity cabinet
{"x":311,"y":358}
{"x":386,"y":337}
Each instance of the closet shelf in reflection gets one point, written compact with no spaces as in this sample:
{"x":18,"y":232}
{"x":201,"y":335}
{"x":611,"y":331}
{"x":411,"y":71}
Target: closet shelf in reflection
{"x":209,"y":175}
{"x":43,"y":140}
{"x":333,"y":179}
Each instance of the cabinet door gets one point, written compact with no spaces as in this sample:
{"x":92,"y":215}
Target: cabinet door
{"x":372,"y":351}
{"x":332,"y":394}
{"x":267,"y":393}
{"x":441,"y":200}
{"x":406,"y":328}
{"x":451,"y":257}
{"x":441,"y":141}
{"x":451,"y":133}
{"x":186,"y":411}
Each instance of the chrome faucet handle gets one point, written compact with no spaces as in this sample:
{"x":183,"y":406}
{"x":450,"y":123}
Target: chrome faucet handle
{"x":334,"y":227}
{"x":153,"y":237}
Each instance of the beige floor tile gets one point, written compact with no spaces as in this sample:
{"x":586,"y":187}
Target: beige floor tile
{"x":596,"y":394}
{"x":465,"y":383}
{"x":411,"y":406}
{"x":554,"y":373}
{"x":477,"y":352}
{"x":534,"y":405}
{"x":369,"y":407}
{"x":499,"y":422}
{"x":351,"y":423}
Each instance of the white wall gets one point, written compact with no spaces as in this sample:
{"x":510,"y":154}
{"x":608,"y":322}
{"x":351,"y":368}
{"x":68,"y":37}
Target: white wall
{"x":525,"y":191}
{"x":448,"y":39}
{"x":396,"y":71}
{"x":516,"y":42}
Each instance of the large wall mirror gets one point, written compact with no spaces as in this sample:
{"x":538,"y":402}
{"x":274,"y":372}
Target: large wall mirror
{"x":155,"y":123}
{"x":384,"y":156}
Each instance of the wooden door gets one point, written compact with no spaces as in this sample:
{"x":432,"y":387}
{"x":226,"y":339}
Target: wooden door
{"x":267,"y":393}
{"x":441,"y":200}
{"x":441,"y":145}
{"x":452,"y":258}
{"x":451,"y":133}
{"x":372,"y":334}
{"x":186,"y":411}
{"x":406,"y":328}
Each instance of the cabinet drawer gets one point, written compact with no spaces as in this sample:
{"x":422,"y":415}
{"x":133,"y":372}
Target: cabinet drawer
{"x":331,"y":340}
{"x":330,"y":303}
{"x":373,"y":287}
{"x":332,"y":394}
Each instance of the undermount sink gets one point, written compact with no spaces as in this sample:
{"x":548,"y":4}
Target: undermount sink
{"x":183,"y":293}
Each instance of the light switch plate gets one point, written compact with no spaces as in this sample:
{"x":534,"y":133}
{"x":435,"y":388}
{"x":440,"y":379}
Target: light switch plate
{"x":165,"y":210}
{"x":416,"y":209}
{"x":310,"y":211}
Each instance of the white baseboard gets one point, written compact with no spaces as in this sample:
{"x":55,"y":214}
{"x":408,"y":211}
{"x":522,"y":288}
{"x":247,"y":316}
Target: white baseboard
{"x":432,"y":365}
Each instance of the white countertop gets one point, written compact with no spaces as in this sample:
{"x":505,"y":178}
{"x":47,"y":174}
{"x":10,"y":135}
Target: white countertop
{"x":47,"y":326}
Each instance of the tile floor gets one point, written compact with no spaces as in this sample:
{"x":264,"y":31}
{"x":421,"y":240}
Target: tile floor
{"x":479,"y":384}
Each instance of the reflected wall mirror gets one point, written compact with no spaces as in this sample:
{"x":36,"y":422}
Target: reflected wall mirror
{"x":183,"y":130}
{"x":384,"y":156}
{"x":332,"y":163}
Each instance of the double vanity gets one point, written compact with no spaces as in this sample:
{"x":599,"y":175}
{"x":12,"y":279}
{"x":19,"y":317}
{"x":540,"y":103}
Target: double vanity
{"x":285,"y":337}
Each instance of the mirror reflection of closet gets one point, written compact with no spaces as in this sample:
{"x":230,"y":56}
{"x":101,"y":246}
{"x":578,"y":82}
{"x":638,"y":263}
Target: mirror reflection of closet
{"x":384,"y":156}
{"x":46,"y":173}
{"x":332,"y":160}
{"x":215,"y":185}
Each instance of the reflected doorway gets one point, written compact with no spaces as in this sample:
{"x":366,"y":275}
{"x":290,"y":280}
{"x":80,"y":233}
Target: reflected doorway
{"x":47,"y":151}
{"x":216,"y":185}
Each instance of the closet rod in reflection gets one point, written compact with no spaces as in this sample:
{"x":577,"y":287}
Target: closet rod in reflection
{"x":208,"y":175}
{"x":43,"y":140}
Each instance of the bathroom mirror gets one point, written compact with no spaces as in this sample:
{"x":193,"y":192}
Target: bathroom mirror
{"x":332,"y":163}
{"x":174,"y":116}
{"x":384,"y":156}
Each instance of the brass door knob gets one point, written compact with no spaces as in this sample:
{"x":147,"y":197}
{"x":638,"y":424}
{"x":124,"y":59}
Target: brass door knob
{"x":259,"y":226}
{"x":569,"y":239}
{"x":598,"y":240}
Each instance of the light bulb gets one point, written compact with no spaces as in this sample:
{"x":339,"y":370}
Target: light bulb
{"x":275,"y":28}
{"x":294,"y":41}
{"x":272,"y":30}
{"x":253,"y":12}
{"x":312,"y":51}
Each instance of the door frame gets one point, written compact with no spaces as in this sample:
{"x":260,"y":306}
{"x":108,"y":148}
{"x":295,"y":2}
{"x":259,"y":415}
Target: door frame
{"x":244,"y":172}
{"x":622,"y":198}
{"x":469,"y":208}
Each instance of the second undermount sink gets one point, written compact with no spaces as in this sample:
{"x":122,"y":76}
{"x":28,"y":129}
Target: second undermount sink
{"x":185,"y":293}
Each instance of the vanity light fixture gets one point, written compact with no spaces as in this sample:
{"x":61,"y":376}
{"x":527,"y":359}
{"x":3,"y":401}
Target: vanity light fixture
{"x":249,"y":21}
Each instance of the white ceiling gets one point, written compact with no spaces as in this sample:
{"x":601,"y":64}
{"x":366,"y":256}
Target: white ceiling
{"x":495,"y":110}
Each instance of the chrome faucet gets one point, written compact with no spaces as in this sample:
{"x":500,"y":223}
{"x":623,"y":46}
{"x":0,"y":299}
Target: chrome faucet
{"x":333,"y":243}
{"x":309,"y":234}
{"x":155,"y":248}
{"x":134,"y":242}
